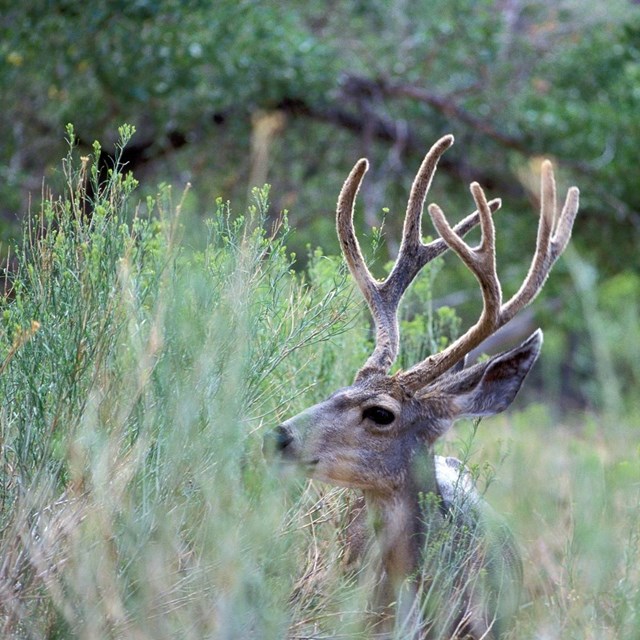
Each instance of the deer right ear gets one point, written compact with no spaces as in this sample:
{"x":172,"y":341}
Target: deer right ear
{"x":490,"y":387}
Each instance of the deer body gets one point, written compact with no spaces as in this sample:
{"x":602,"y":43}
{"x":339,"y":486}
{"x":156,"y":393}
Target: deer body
{"x":448,"y":566}
{"x":454,"y":532}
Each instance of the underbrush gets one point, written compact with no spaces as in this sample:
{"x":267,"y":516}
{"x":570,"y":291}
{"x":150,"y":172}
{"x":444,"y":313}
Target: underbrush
{"x":138,"y":377}
{"x":570,"y":490}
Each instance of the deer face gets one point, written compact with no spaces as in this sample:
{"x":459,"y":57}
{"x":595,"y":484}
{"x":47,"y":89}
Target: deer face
{"x":357,"y":437}
{"x":366,"y":436}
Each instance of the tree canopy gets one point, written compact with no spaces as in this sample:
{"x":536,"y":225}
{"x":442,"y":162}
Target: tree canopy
{"x":234,"y":93}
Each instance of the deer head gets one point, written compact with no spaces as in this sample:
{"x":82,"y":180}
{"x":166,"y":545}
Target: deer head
{"x":363,"y":435}
{"x":377,"y":434}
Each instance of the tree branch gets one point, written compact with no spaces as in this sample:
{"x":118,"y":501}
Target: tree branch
{"x":450,"y":109}
{"x":390,"y":131}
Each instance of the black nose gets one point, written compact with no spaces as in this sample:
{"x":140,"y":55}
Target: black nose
{"x":276,"y":441}
{"x":283,"y":438}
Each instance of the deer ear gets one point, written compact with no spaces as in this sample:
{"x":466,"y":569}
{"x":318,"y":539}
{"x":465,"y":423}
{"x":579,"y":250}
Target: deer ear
{"x":490,"y":387}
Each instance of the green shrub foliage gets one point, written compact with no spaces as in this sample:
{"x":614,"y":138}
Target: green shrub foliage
{"x":138,"y":374}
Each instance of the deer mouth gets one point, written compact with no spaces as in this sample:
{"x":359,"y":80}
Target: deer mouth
{"x":306,"y":466}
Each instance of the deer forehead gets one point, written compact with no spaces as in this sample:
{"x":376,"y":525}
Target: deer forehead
{"x":383,"y":391}
{"x":343,"y":410}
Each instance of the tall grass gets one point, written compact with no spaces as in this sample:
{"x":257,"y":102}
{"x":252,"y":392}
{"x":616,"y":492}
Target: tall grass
{"x":138,"y":376}
{"x":136,"y":379}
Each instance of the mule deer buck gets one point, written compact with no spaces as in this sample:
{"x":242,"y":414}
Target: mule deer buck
{"x":377,"y":435}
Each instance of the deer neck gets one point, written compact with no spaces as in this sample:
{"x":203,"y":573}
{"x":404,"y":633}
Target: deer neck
{"x":400,"y":515}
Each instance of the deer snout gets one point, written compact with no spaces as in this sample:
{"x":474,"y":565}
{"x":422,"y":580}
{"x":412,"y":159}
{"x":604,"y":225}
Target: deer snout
{"x":283,"y":438}
{"x":276,"y":441}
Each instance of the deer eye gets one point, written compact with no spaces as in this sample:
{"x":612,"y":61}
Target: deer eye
{"x":379,"y":415}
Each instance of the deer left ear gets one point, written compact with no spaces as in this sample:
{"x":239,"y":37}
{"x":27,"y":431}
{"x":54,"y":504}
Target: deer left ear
{"x":490,"y":387}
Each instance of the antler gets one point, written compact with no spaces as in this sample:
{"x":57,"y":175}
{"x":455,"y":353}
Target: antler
{"x":384,"y":297}
{"x":554,"y":232}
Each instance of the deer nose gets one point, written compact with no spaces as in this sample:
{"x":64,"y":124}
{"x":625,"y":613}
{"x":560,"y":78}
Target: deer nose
{"x":276,"y":441}
{"x":283,"y":438}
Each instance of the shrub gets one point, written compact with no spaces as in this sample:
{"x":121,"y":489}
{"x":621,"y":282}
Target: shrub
{"x":136,"y":377}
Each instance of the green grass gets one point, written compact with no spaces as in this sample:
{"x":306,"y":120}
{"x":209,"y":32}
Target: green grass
{"x":138,"y":377}
{"x":571,"y":492}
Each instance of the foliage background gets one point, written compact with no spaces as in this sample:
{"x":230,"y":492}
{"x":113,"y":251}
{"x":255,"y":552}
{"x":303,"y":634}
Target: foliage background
{"x":230,"y":95}
{"x":227,"y":96}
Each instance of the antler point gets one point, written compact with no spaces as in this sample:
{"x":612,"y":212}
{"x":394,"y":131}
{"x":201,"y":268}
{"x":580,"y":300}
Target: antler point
{"x":546,"y":170}
{"x":383,"y":298}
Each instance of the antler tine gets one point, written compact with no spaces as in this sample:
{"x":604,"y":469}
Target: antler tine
{"x":384,"y":297}
{"x":411,"y":256}
{"x":481,"y":261}
{"x":387,"y":335}
{"x":414,"y":254}
{"x":346,"y":233}
{"x":553,"y":235}
{"x":412,"y":231}
{"x":564,"y":224}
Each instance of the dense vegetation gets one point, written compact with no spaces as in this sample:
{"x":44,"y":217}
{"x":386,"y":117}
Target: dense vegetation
{"x":150,"y":335}
{"x":138,"y":376}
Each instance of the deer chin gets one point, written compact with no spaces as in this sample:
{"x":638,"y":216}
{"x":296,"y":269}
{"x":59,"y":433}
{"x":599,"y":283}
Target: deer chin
{"x":337,"y":475}
{"x":305,"y":467}
{"x":332,"y":479}
{"x":315,"y":470}
{"x":309,"y":466}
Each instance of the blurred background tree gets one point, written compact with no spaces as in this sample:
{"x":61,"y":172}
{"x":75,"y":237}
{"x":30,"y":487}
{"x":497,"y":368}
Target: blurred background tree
{"x":232,"y":93}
